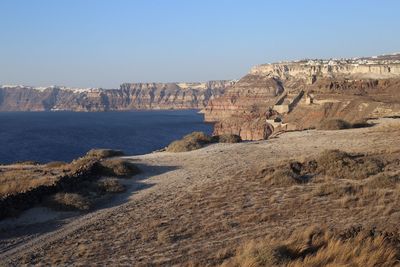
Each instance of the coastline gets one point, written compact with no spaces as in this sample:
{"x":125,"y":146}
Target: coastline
{"x":63,"y":136}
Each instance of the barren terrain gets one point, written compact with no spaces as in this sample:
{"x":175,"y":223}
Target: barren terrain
{"x":198,"y":207}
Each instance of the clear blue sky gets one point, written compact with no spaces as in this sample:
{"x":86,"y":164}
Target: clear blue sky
{"x":102,"y":43}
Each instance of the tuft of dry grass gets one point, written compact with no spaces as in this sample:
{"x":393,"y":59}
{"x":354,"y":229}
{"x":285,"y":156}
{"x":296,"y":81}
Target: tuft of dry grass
{"x":227,"y":138}
{"x":104,"y":153}
{"x":68,"y":202}
{"x":339,"y":164}
{"x":56,"y":164}
{"x":318,"y":248}
{"x":18,"y":180}
{"x":197,"y":140}
{"x":361,"y":124}
{"x":384,"y":180}
{"x":334,"y":124}
{"x":119,"y":168}
{"x":84,"y":165}
{"x":284,"y":177}
{"x":23,"y":186}
{"x":27,"y":162}
{"x":110,"y":185}
{"x":338,"y":124}
{"x":193,"y":141}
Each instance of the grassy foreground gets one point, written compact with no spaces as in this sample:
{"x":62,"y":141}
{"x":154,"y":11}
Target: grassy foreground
{"x":63,"y":186}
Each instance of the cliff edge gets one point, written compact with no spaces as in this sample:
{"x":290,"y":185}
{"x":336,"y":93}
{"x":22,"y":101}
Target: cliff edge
{"x":300,"y":94}
{"x":128,"y":97}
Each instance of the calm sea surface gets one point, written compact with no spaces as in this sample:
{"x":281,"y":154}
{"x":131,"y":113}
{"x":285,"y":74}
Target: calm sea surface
{"x":50,"y":136}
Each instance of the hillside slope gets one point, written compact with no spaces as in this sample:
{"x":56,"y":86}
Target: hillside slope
{"x":197,"y":208}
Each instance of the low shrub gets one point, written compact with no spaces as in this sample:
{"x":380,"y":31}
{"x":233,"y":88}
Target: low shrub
{"x":118,"y":167}
{"x":339,"y":164}
{"x":104,"y":153}
{"x":361,"y":124}
{"x":334,"y":124}
{"x":68,"y":202}
{"x":85,"y":165}
{"x":193,"y":141}
{"x":27,"y":162}
{"x":227,"y":138}
{"x":56,"y":164}
{"x":197,"y":140}
{"x":110,"y":185}
{"x":184,"y":146}
{"x":199,"y":136}
{"x":285,"y":177}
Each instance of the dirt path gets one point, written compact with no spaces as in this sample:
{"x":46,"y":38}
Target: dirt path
{"x":167,"y":176}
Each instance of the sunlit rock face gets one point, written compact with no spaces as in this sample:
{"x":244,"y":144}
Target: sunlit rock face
{"x":299,"y":94}
{"x":249,"y":94}
{"x":128,"y":96}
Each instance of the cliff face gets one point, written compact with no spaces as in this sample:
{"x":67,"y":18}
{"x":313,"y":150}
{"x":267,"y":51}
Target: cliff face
{"x":129,"y":96}
{"x":299,"y":94}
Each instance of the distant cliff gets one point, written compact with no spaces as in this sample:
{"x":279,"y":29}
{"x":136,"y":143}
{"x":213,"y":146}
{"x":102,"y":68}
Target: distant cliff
{"x":129,"y":96}
{"x":299,"y":94}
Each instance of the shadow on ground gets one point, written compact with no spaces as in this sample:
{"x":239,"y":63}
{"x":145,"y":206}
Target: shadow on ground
{"x":13,"y":232}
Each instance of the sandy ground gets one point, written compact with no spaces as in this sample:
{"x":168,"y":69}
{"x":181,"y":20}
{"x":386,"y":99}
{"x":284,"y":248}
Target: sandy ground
{"x":46,"y":237}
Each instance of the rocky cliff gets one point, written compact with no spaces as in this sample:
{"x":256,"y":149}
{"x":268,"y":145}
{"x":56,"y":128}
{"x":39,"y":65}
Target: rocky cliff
{"x":128,"y":96}
{"x":299,"y":94}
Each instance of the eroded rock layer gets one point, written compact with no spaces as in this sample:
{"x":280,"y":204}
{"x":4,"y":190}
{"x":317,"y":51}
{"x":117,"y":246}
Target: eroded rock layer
{"x":300,"y":94}
{"x":128,"y":96}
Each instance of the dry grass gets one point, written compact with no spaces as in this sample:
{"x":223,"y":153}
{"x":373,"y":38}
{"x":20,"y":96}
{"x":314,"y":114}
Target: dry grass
{"x":56,"y":164}
{"x":79,"y":178}
{"x":27,"y":162}
{"x":197,"y":140}
{"x":334,"y":124}
{"x":338,"y":124}
{"x":318,"y":248}
{"x":119,"y":168}
{"x":339,"y":164}
{"x":361,"y":124}
{"x":384,"y":180}
{"x":227,"y":138}
{"x":193,"y":141}
{"x":110,"y":185}
{"x":68,"y":202}
{"x":205,"y":225}
{"x":220,"y":201}
{"x":104,"y":153}
{"x":84,"y":165}
{"x":21,"y":179}
{"x":284,"y":177}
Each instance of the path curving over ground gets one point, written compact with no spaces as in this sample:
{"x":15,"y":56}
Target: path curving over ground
{"x":187,"y":206}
